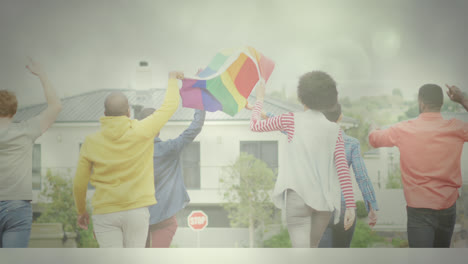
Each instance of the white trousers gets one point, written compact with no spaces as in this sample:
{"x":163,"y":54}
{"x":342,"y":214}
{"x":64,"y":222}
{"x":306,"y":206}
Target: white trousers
{"x":305,"y":224}
{"x":125,"y":229}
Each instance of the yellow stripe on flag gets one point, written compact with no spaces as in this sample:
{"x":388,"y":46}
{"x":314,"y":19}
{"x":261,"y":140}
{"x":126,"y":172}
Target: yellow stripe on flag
{"x":236,"y":66}
{"x":231,"y":87}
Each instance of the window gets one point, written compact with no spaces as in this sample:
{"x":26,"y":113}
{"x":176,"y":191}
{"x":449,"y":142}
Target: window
{"x":190,"y":159}
{"x":263,"y":150}
{"x":36,"y":167}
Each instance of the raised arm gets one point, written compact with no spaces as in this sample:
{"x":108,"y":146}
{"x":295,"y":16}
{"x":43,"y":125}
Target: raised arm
{"x":188,"y":135}
{"x":54,"y":106}
{"x":384,"y":138}
{"x":151,"y":125}
{"x":456,"y":95}
{"x":284,"y":122}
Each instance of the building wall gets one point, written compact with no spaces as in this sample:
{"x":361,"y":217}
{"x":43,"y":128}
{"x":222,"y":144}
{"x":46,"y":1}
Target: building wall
{"x":219,"y":147}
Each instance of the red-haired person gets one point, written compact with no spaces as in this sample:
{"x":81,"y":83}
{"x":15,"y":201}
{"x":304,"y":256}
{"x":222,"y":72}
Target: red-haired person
{"x":16,"y":146}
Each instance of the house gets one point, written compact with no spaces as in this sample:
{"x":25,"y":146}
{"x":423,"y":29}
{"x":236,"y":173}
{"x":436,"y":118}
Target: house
{"x":219,"y":144}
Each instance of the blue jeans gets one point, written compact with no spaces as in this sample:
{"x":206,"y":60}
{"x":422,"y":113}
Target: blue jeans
{"x":15,"y":223}
{"x":335,"y":236}
{"x":428,"y":228}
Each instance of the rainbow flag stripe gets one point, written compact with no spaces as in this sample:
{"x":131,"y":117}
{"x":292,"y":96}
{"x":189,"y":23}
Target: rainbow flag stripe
{"x":227,"y":81}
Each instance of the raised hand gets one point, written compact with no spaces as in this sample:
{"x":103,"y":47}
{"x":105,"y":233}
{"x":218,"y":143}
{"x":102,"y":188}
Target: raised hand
{"x":35,"y":68}
{"x":455,"y":94}
{"x":199,"y":71}
{"x":176,"y":75}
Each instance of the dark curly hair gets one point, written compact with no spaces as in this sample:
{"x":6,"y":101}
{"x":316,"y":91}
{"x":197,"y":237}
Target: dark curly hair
{"x":334,"y":113}
{"x":317,"y":91}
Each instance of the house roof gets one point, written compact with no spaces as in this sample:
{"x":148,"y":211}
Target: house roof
{"x":89,"y":107}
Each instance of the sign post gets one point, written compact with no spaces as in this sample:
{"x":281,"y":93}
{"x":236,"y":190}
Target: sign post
{"x":197,"y":221}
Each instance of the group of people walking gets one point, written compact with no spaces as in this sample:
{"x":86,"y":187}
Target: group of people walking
{"x":139,"y":184}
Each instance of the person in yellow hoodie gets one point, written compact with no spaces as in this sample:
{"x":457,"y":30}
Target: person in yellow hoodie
{"x":118,"y":162}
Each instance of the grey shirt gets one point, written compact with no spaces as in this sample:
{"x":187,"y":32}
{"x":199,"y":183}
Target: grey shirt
{"x":16,"y":146}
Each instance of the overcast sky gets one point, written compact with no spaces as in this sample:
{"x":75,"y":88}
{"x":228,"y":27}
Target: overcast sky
{"x":369,"y":47}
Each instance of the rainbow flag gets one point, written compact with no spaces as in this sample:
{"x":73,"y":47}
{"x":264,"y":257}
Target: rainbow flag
{"x":226,"y":83}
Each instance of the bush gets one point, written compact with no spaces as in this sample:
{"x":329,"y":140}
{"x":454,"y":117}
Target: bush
{"x":60,"y":208}
{"x":399,"y":243}
{"x":363,"y":236}
{"x":281,"y":240}
{"x":361,"y":210}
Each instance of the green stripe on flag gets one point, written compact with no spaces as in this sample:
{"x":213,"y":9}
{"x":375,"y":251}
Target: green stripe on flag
{"x":216,"y":87}
{"x":217,"y":61}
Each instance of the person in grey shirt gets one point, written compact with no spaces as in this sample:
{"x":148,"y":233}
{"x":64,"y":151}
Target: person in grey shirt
{"x":170,"y":192}
{"x":16,"y":146}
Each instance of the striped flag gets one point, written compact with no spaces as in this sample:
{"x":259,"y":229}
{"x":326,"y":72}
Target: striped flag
{"x":226,"y":83}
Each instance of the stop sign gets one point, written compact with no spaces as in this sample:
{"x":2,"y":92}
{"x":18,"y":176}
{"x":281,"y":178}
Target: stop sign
{"x":197,"y":220}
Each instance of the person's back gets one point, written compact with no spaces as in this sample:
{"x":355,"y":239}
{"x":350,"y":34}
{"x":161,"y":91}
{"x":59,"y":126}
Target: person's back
{"x":119,"y":153}
{"x":430,"y":150}
{"x":16,"y":148}
{"x":430,"y":154}
{"x":306,"y":187}
{"x":310,"y":158}
{"x":118,"y":161}
{"x":336,"y":236}
{"x":170,"y":191}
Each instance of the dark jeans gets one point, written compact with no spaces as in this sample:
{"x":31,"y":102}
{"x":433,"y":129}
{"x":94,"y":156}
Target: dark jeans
{"x":428,"y":228}
{"x":335,"y":236}
{"x":15,"y":223}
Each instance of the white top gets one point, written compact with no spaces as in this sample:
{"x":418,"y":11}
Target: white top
{"x":309,"y":166}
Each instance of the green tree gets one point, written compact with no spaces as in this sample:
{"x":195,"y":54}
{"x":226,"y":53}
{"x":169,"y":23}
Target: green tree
{"x":60,"y":208}
{"x":345,"y":101}
{"x":246,"y":187}
{"x":397,"y":92}
{"x":360,"y":132}
{"x":412,"y":112}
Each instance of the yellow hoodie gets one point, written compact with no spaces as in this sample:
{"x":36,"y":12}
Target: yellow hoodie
{"x":118,"y":160}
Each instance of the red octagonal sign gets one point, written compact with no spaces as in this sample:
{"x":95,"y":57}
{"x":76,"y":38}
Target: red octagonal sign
{"x":197,"y":220}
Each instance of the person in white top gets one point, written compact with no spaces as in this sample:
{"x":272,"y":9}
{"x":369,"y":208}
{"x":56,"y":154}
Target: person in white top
{"x":314,"y":166}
